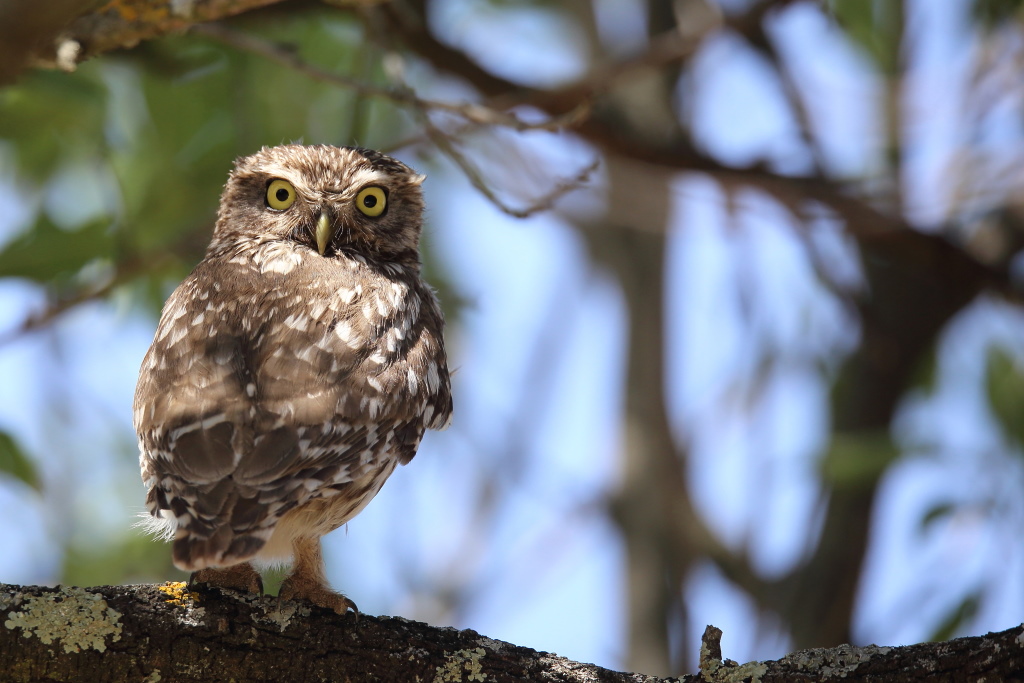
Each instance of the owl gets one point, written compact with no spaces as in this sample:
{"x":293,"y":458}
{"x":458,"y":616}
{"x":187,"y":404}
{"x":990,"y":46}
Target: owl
{"x":293,"y":370}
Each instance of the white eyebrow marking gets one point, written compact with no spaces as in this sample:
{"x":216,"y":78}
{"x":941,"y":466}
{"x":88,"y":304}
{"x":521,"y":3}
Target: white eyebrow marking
{"x":362,"y":177}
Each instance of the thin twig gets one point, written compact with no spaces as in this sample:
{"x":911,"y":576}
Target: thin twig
{"x":124,"y":272}
{"x":444,"y":143}
{"x":404,"y":95}
{"x":470,"y":111}
{"x":54,"y":310}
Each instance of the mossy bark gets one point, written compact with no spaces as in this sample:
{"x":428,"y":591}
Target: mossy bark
{"x":169,"y":633}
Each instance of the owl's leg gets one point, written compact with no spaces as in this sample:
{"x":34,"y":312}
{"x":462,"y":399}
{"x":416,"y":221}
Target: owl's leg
{"x":239,"y":577}
{"x":307,"y":581}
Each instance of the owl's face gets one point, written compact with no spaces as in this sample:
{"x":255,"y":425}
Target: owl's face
{"x":326,"y":198}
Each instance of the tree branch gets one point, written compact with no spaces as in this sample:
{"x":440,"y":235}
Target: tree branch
{"x":167,"y":633}
{"x":126,"y":23}
{"x":471,"y":112}
{"x":864,"y":221}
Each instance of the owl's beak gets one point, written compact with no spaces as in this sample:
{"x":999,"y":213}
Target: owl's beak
{"x":324,"y":231}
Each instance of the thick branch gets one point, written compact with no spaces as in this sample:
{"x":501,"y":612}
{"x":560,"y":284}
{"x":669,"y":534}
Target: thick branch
{"x":150,"y":633}
{"x":124,"y":24}
{"x":165,"y":633}
{"x":28,"y":27}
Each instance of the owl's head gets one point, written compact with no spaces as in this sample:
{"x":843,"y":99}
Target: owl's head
{"x":329,"y":199}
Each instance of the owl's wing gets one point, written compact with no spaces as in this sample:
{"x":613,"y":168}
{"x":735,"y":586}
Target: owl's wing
{"x":255,"y":399}
{"x":193,"y":415}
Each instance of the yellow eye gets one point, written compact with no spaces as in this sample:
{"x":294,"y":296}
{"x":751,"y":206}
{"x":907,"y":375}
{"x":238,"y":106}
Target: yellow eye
{"x":280,"y":195}
{"x":372,"y":201}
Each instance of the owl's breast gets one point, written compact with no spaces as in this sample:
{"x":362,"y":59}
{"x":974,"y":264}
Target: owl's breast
{"x":329,"y":340}
{"x":340,"y":337}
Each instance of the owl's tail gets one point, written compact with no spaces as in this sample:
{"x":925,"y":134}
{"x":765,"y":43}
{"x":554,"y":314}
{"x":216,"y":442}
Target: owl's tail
{"x":216,"y":527}
{"x":222,"y":549}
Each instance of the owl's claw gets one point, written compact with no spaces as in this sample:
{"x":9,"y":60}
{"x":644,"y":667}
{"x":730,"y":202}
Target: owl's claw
{"x":298,"y":587}
{"x":239,"y":577}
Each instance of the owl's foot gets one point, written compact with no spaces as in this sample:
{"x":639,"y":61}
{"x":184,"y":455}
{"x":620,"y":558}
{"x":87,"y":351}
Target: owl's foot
{"x":239,"y":577}
{"x":307,"y":580}
{"x":302,"y":587}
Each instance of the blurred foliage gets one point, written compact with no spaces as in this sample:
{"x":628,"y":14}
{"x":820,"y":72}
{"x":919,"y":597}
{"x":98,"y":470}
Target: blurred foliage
{"x":875,"y":25}
{"x":71,"y":108}
{"x":132,"y":558}
{"x":858,"y":458}
{"x":14,"y":462}
{"x":47,"y":253}
{"x":165,"y":121}
{"x":937,"y":513}
{"x":1004,"y":381}
{"x":272,"y":579}
{"x":961,"y":614}
{"x":926,"y":373}
{"x":991,"y":12}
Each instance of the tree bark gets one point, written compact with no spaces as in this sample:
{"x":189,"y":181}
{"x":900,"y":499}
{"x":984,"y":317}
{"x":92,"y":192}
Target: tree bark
{"x":62,"y":33}
{"x":168,"y":633}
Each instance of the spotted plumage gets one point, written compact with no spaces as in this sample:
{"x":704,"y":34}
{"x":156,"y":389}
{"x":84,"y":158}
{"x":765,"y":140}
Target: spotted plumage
{"x":298,"y":364}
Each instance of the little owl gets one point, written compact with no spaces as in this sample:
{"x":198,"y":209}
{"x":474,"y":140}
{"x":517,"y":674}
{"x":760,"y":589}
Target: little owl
{"x":298,"y":364}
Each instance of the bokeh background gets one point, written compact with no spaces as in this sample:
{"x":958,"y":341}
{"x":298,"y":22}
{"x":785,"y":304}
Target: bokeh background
{"x":733,"y":293}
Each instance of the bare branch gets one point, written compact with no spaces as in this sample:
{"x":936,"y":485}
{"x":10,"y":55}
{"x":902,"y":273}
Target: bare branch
{"x":864,"y":220}
{"x":447,"y":146}
{"x":123,"y":273}
{"x":404,"y":95}
{"x":472,"y":112}
{"x":55,"y":309}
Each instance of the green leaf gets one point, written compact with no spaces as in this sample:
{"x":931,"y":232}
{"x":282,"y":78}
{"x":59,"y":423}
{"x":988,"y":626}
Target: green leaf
{"x":876,"y":25}
{"x":132,"y":558}
{"x":49,"y":116}
{"x":951,"y":625}
{"x":1004,"y":382}
{"x":14,"y":463}
{"x":989,"y":13}
{"x":273,"y":577}
{"x":858,"y":458}
{"x":935,"y":513}
{"x":926,"y":372}
{"x":46,"y":252}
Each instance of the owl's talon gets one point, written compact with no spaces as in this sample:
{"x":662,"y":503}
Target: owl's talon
{"x":239,"y":577}
{"x":296,"y":588}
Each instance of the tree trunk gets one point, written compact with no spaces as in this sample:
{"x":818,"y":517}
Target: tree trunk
{"x":652,"y":478}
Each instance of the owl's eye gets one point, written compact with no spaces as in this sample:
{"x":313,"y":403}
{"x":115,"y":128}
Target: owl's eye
{"x":372,"y":201}
{"x":280,"y":195}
